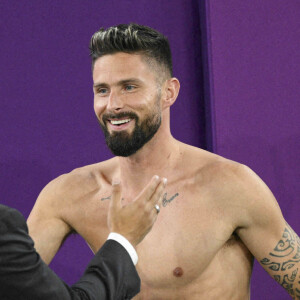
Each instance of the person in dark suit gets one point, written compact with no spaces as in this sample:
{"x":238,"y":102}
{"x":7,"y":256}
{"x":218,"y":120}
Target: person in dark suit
{"x":111,"y":274}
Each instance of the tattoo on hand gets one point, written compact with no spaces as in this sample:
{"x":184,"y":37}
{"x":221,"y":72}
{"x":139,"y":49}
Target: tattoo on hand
{"x":285,"y":259}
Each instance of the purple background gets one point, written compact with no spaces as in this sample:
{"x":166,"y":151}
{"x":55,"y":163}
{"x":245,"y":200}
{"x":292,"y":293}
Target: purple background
{"x":254,"y":61}
{"x":249,"y":51}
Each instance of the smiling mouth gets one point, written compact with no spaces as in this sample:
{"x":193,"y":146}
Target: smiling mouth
{"x":120,"y":122}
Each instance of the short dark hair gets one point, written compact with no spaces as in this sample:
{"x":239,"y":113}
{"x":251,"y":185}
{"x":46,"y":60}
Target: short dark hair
{"x":132,"y":38}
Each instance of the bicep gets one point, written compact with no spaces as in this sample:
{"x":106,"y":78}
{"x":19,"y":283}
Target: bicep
{"x":46,"y":225}
{"x":257,"y":215}
{"x":264,"y":227}
{"x":48,"y":235}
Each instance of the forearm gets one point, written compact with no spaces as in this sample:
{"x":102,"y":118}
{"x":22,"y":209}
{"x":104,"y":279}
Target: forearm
{"x":283,"y":263}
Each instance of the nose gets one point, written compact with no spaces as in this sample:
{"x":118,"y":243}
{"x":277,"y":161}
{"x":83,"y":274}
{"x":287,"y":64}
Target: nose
{"x":114,"y":103}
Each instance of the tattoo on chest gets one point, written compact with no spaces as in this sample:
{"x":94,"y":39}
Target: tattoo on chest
{"x":284,"y":262}
{"x":165,"y":200}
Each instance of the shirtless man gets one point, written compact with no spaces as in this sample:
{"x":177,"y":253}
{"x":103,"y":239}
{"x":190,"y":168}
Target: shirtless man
{"x":216,"y":214}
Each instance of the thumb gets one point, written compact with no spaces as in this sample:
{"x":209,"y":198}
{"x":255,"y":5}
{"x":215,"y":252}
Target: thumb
{"x":116,"y":195}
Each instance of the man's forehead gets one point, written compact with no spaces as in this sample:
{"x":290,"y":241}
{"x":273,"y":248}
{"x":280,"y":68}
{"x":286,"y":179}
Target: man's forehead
{"x":120,"y":60}
{"x":121,"y":66}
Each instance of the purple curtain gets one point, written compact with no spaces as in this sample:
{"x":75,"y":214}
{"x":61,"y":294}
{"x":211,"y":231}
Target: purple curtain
{"x":236,"y":61}
{"x":254,"y":59}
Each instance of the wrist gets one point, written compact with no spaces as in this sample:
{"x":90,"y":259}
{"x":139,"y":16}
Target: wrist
{"x":126,"y":244}
{"x":132,"y":241}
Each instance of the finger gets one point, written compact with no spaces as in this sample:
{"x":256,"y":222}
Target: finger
{"x":116,"y":195}
{"x":154,"y":215}
{"x":153,"y":208}
{"x":157,"y":196}
{"x":150,"y":188}
{"x":157,"y":199}
{"x":160,"y":200}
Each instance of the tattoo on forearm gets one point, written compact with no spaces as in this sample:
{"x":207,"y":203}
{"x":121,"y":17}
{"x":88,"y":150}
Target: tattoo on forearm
{"x":284,"y":261}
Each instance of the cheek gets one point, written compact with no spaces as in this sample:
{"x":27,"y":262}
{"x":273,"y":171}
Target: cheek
{"x":148,"y":98}
{"x":99,"y":107}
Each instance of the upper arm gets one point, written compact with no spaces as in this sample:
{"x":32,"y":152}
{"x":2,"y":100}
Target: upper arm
{"x":261,"y":223}
{"x":46,"y":223}
{"x":264,"y":231}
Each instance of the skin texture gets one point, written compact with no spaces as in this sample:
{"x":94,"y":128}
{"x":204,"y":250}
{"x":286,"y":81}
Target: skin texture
{"x":215,"y":216}
{"x":135,"y":219}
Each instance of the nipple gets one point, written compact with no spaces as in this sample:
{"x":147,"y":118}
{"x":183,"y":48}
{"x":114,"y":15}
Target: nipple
{"x":178,"y":272}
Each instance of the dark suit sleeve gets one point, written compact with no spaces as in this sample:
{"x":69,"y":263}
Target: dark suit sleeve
{"x":23,"y":275}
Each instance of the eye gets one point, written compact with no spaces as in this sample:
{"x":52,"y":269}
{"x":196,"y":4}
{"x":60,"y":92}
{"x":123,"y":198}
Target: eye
{"x":129,"y":87}
{"x":102,"y":91}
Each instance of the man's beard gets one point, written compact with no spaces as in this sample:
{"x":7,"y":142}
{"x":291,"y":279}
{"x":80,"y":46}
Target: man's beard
{"x":124,"y":144}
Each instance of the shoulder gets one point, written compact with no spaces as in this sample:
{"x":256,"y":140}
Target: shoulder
{"x":216,"y":170}
{"x":211,"y":168}
{"x":234,"y":187}
{"x":242,"y":193}
{"x":83,"y":179}
{"x":235,"y":178}
{"x":74,"y":186}
{"x":232,"y":177}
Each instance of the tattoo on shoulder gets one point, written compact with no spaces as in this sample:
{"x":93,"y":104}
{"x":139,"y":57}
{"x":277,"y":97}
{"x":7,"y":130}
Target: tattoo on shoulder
{"x":284,"y":262}
{"x":105,"y":198}
{"x":166,"y":201}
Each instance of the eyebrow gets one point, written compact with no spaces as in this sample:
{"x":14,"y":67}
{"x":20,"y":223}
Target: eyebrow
{"x":119,"y":83}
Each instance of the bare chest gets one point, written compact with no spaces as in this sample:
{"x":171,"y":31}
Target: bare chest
{"x":183,"y":242}
{"x":189,"y":232}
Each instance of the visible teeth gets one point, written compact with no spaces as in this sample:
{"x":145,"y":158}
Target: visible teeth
{"x":115,"y":122}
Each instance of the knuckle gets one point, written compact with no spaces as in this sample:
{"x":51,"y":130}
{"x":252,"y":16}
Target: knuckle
{"x":149,"y":208}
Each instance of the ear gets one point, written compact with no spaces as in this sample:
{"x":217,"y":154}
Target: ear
{"x":170,"y":92}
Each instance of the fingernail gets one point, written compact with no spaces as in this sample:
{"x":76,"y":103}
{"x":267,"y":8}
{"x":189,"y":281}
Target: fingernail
{"x":115,"y":181}
{"x":165,"y":180}
{"x":156,"y":177}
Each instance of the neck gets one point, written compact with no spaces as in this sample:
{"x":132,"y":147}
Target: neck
{"x":154,"y":158}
